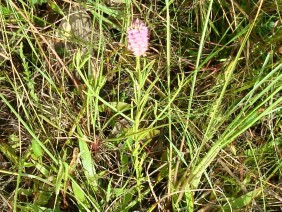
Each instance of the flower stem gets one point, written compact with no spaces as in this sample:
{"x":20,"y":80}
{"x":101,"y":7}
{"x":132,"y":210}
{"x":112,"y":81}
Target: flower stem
{"x":136,"y":155}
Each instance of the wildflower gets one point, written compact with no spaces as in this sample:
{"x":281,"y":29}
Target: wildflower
{"x":138,"y":38}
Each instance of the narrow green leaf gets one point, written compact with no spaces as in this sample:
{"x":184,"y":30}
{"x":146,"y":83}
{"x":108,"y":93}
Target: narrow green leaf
{"x":55,"y":7}
{"x":189,"y":196}
{"x":79,"y":195}
{"x":242,"y":201}
{"x":60,"y":176}
{"x":27,"y":127}
{"x":9,"y":153}
{"x":41,"y":168}
{"x":36,"y":148}
{"x":109,"y":190}
{"x":86,"y":158}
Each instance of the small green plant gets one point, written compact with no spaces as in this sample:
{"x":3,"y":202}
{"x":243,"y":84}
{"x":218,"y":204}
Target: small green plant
{"x":140,"y":106}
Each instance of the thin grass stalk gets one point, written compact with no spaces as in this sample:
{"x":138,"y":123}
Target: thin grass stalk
{"x":197,"y":67}
{"x":241,"y":127}
{"x":194,"y":177}
{"x":28,"y":129}
{"x":35,"y":32}
{"x":230,"y":69}
{"x":137,"y":163}
{"x":259,"y":172}
{"x":247,"y":102}
{"x":168,"y":63}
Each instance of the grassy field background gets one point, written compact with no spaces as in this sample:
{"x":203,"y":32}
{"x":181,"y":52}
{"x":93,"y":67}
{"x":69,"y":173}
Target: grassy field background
{"x":193,"y":125}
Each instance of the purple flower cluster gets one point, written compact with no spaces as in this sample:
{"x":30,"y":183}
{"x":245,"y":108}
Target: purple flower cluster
{"x":138,"y":38}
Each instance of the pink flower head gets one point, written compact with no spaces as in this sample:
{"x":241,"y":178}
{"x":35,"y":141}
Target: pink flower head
{"x":138,"y":38}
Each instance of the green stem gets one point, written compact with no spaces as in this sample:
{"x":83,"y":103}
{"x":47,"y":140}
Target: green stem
{"x":138,"y":91}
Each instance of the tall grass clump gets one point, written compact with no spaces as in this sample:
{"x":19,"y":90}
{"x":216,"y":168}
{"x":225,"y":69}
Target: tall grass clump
{"x":140,"y":105}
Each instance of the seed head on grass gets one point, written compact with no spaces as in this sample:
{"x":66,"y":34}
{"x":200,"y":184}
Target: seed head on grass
{"x":138,"y":38}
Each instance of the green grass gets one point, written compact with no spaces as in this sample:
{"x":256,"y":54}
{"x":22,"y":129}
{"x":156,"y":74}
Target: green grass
{"x":195,"y":125}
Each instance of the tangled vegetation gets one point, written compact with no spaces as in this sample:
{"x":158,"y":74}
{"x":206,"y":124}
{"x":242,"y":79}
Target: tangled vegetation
{"x":192,"y":125}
